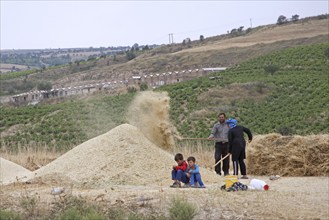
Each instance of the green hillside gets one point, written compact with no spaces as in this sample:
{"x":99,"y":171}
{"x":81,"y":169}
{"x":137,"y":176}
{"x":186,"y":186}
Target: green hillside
{"x":292,"y":100}
{"x":286,"y":91}
{"x":63,"y":125}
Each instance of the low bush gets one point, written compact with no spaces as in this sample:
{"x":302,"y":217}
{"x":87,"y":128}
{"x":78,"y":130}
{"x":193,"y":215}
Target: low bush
{"x":181,"y":210}
{"x":9,"y":215}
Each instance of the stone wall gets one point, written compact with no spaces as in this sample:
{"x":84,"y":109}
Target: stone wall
{"x":136,"y":79}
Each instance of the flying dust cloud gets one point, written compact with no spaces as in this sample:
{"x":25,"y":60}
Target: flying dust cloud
{"x":149,"y":112}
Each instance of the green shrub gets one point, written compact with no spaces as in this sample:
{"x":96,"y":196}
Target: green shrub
{"x":271,"y":69}
{"x":285,"y":131}
{"x":132,"y":89}
{"x":118,"y":214}
{"x":70,"y":214}
{"x":44,"y":86}
{"x":77,"y":214}
{"x":143,"y":87}
{"x":9,"y":215}
{"x":71,"y":208}
{"x":30,"y":205}
{"x":181,"y":210}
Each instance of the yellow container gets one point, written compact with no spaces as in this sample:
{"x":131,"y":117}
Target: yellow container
{"x":230,"y":180}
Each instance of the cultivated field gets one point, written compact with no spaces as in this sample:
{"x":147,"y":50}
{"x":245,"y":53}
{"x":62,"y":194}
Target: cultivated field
{"x":6,"y":67}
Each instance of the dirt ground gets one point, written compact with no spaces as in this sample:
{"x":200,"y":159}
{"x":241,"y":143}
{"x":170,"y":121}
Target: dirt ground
{"x":287,"y":198}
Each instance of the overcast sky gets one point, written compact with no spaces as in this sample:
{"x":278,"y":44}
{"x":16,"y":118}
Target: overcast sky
{"x":67,"y":24}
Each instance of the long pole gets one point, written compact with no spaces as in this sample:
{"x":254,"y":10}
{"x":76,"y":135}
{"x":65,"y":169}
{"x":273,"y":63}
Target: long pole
{"x":222,"y":159}
{"x":205,"y":139}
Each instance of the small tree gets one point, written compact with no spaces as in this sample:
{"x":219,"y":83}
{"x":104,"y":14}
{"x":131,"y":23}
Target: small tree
{"x":143,"y":87}
{"x":295,"y":18}
{"x":201,"y":38}
{"x":234,"y":31}
{"x":131,"y":89}
{"x":130,"y":55}
{"x":146,"y":47}
{"x":282,"y":20}
{"x":44,"y":86}
{"x":186,"y":41}
{"x":135,"y":47}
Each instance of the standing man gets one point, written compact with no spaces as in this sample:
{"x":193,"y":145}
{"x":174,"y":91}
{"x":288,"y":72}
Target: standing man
{"x":220,"y":133}
{"x":237,"y":146}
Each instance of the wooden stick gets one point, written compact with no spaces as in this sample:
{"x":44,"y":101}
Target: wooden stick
{"x":206,"y":139}
{"x":222,"y":159}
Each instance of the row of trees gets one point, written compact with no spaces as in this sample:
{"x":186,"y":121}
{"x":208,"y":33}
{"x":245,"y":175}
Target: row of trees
{"x":283,"y":19}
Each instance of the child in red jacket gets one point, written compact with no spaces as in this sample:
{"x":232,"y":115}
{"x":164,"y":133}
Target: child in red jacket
{"x":178,"y":174}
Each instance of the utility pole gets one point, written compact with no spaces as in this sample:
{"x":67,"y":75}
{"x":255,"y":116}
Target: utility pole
{"x":250,"y":23}
{"x":171,"y":38}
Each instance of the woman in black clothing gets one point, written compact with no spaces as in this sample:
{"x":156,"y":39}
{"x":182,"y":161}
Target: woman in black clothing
{"x":237,"y":146}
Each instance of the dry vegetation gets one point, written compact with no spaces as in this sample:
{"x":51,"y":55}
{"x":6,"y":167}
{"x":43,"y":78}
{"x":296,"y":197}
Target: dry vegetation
{"x":31,"y":158}
{"x":123,"y":169}
{"x":269,"y":34}
{"x":289,"y":155}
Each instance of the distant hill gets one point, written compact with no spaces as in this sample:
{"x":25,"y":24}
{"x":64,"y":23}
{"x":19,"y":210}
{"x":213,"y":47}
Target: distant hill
{"x":219,"y":51}
{"x":40,"y":58}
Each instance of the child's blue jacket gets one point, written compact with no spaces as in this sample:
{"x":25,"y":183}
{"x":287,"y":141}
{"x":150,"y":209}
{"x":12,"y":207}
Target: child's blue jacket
{"x":196,"y":170}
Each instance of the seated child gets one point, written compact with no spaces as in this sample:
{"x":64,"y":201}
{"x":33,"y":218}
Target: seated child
{"x":193,"y":173}
{"x":178,"y":174}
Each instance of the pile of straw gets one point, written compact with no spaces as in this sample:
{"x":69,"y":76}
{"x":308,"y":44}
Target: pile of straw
{"x":274,"y":154}
{"x":122,"y":156}
{"x":11,"y":172}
